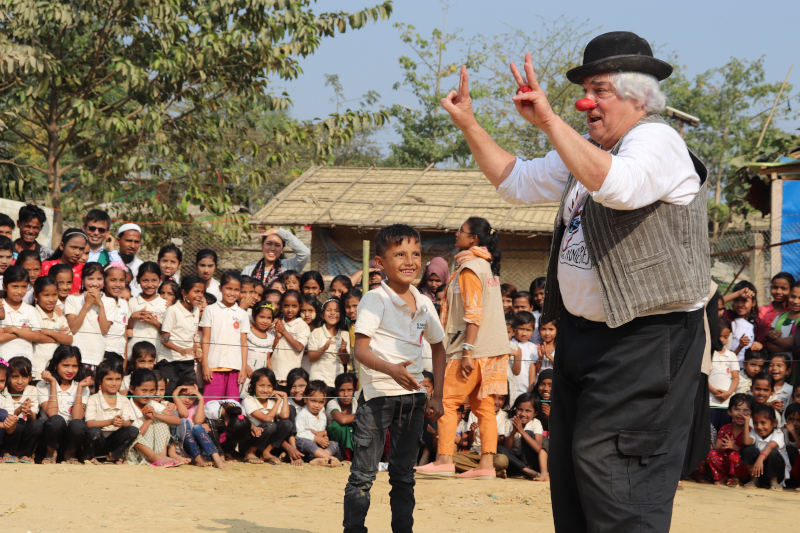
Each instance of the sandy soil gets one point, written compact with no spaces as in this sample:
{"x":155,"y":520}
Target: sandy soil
{"x":283,"y":499}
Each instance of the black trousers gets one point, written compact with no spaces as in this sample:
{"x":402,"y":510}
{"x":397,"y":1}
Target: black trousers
{"x":621,"y":409}
{"x":63,"y":436}
{"x":273,"y":433}
{"x":774,"y":465}
{"x":527,"y":458}
{"x":114,"y":445}
{"x":175,"y":371}
{"x":21,"y":442}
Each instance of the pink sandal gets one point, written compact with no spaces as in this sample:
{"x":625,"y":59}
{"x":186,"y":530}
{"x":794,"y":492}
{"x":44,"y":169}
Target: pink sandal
{"x":478,"y":474}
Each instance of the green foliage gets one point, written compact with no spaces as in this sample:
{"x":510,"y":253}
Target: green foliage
{"x":156,"y":103}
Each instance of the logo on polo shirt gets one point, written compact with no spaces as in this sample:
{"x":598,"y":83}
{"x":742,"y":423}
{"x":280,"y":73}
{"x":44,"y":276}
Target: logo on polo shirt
{"x":236,"y":323}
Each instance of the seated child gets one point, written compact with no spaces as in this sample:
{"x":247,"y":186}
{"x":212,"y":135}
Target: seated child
{"x":764,"y":453}
{"x":196,"y":440}
{"x":791,"y":433}
{"x":296,"y":383}
{"x":753,"y":364}
{"x":312,"y":437}
{"x":229,"y":428}
{"x":109,"y":417}
{"x":341,"y":413}
{"x":468,"y":460}
{"x":22,"y":401}
{"x":8,"y":420}
{"x":725,"y":462}
{"x":268,"y":411}
{"x":762,"y":388}
{"x":524,"y":443}
{"x":153,"y":421}
{"x":544,"y":387}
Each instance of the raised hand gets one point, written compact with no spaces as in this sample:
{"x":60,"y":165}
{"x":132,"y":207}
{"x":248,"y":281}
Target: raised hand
{"x":459,"y":104}
{"x":540,"y":113}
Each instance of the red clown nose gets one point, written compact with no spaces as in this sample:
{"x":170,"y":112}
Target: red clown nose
{"x":525,"y":89}
{"x":585,"y":104}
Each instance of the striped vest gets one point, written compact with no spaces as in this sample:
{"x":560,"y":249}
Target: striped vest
{"x":644,"y":259}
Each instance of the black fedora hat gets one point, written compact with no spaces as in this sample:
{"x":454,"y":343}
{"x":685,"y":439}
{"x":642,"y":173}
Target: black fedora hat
{"x":618,"y":51}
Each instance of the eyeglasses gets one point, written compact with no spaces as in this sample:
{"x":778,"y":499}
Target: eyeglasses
{"x":95,"y":229}
{"x":462,"y":232}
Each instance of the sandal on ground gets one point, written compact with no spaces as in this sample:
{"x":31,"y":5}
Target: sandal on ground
{"x":751,"y":485}
{"x":8,"y":458}
{"x":72,"y":461}
{"x":49,"y":461}
{"x":253,"y":460}
{"x":94,"y":461}
{"x":732,"y":482}
{"x":26,"y":460}
{"x":776,"y":486}
{"x":165,"y":464}
{"x":273,"y":460}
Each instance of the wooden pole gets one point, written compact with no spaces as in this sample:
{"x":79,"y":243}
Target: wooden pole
{"x":771,"y":111}
{"x":365,"y":268}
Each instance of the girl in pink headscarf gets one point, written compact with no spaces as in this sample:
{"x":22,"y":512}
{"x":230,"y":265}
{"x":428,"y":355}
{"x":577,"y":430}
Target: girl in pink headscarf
{"x":436,"y":274}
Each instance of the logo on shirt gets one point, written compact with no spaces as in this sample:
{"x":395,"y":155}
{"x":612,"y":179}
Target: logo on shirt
{"x":236,"y":323}
{"x":573,"y":245}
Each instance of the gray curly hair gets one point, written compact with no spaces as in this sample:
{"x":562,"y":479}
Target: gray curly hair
{"x":639,"y":87}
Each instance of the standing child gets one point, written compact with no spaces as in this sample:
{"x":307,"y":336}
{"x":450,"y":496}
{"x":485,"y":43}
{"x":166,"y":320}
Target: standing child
{"x":268,"y":410}
{"x":311,"y":283}
{"x":524,"y":440}
{"x":23,"y":400}
{"x":291,"y":337}
{"x":206,"y":263}
{"x":393,"y":321}
{"x":55,"y":328}
{"x":340,"y":285}
{"x":350,"y":301}
{"x":779,"y":289}
{"x":291,"y":278}
{"x":224,"y":328}
{"x":153,"y":421}
{"x":779,"y":365}
{"x":340,"y":412}
{"x":537,"y":292}
{"x":70,"y":253}
{"x":248,"y":297}
{"x":147,"y":310}
{"x":90,"y":316}
{"x":753,"y":364}
{"x":523,"y":301}
{"x":109,"y":417}
{"x":547,"y":348}
{"x":170,"y":260}
{"x":523,"y":324}
{"x":765,"y":451}
{"x":177,"y":351}
{"x":311,"y":313}
{"x":21,"y":323}
{"x":747,"y":330}
{"x":170,"y":291}
{"x":114,"y":282}
{"x":63,"y":276}
{"x":327,"y":349}
{"x":311,"y":424}
{"x":725,"y":461}
{"x":723,"y":379}
{"x":30,"y":261}
{"x":63,"y":394}
{"x":259,"y":341}
{"x":508,"y":291}
{"x":762,"y":388}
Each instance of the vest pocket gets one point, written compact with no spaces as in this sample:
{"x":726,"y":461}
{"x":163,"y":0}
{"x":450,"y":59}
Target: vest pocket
{"x":657,"y":258}
{"x":639,"y":469}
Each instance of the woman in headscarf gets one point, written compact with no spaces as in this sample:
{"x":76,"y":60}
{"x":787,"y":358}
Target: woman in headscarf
{"x":435,"y":275}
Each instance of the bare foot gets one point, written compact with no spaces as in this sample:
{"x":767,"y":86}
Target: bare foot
{"x":199,"y":461}
{"x":542,"y":477}
{"x":319,"y":461}
{"x":502,"y":474}
{"x":334,"y":462}
{"x":175,"y":454}
{"x":219,"y":462}
{"x":297,"y":462}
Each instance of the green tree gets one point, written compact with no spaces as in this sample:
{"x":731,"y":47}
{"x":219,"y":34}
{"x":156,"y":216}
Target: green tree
{"x":119,"y":97}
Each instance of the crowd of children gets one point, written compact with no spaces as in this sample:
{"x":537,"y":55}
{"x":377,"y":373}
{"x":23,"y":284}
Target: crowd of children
{"x":107,"y":357}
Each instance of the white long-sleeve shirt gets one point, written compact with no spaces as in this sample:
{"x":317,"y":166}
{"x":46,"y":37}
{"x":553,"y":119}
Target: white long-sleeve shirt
{"x":652,"y":164}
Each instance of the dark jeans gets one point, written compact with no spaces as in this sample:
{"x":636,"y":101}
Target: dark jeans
{"x":527,"y":458}
{"x":403,"y":417}
{"x":21,"y":442}
{"x":273,"y":433}
{"x":175,"y":371}
{"x":622,"y":405}
{"x":3,"y":416}
{"x":774,"y":465}
{"x":113,"y":445}
{"x":63,"y":436}
{"x":197,"y":441}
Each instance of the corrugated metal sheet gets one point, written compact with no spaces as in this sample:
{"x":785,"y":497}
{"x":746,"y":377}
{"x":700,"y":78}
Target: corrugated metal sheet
{"x":375,"y":197}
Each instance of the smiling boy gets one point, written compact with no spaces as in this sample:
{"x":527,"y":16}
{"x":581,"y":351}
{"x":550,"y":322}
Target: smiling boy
{"x":392,"y":321}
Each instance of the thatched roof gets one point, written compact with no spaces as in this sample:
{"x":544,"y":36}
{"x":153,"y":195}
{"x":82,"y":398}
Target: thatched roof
{"x":428,"y":199}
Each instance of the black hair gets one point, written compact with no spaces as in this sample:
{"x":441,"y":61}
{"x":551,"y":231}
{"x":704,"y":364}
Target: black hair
{"x":488,"y":238}
{"x":14,"y":274}
{"x":441,"y":288}
{"x":189,"y":282}
{"x":764,"y":376}
{"x":111,"y":266}
{"x":90,"y":268}
{"x":765,"y":410}
{"x":724,"y":324}
{"x":57,"y":269}
{"x":113,"y":356}
{"x":740,"y":398}
{"x":21,"y":365}
{"x":237,"y":428}
{"x":787,"y":358}
{"x":544,"y":322}
{"x":257,"y":375}
{"x":42,"y":283}
{"x":291,"y":293}
{"x":753,"y":314}
{"x":312,"y":275}
{"x":5,"y":220}
{"x":344,"y":280}
{"x":6,"y":243}
{"x":273,"y":291}
{"x":248,"y":280}
{"x":780,"y":275}
{"x":148,"y":266}
{"x":27,"y":255}
{"x":29,"y":212}
{"x":275,"y":282}
{"x":230,"y":275}
{"x":205,"y":252}
{"x":508,"y":290}
{"x":140,"y":349}
{"x":141,"y":375}
{"x":97,"y":215}
{"x":524,"y":294}
{"x":429,"y":375}
{"x":345,"y":377}
{"x":394,"y":235}
{"x":342,"y":324}
{"x":531,"y":397}
{"x":313,"y":302}
{"x":522,"y":318}
{"x":538,"y":283}
{"x":175,"y":288}
{"x":210,"y":298}
{"x":186,"y":381}
{"x":65,"y":351}
{"x":316,"y":385}
{"x":170,"y":248}
{"x":107,"y":367}
{"x":263,"y":304}
{"x":67,"y":236}
{"x":159,"y":375}
{"x":295,"y":374}
{"x":750,"y":354}
{"x":352,"y":293}
{"x":374,"y":286}
{"x":792,"y":409}
{"x":287,"y":274}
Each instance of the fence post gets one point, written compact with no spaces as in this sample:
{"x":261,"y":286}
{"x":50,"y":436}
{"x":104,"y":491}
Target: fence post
{"x":365,"y":268}
{"x":757,"y":268}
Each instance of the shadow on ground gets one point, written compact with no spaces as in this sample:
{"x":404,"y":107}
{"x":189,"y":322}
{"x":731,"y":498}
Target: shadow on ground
{"x":243,"y":526}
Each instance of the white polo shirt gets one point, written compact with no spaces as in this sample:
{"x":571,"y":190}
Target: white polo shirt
{"x":227,"y":325}
{"x":43,"y":351}
{"x":65,"y":398}
{"x":30,"y":392}
{"x":285,"y":358}
{"x":24,"y":317}
{"x":181,"y":325}
{"x":142,"y":331}
{"x":97,"y":408}
{"x":327,"y":367}
{"x":115,"y":338}
{"x":89,"y":339}
{"x":252,"y":404}
{"x":396,"y":335}
{"x":138,"y":416}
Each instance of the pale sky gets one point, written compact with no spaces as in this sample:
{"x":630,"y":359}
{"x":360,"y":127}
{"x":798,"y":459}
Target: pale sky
{"x":703,"y":34}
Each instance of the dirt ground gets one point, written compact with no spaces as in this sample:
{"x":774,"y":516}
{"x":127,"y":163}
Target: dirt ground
{"x":283,"y":499}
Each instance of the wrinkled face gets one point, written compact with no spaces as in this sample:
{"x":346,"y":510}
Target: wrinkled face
{"x":29,"y":230}
{"x":613,"y":116}
{"x":96,"y":231}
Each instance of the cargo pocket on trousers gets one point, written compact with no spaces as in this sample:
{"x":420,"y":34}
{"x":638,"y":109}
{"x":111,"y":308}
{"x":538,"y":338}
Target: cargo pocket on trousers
{"x":362,"y":441}
{"x":639,"y":470}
